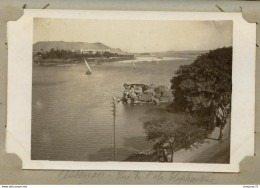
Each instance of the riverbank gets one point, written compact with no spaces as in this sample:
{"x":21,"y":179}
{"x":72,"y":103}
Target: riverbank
{"x":134,"y":61}
{"x":211,"y":151}
{"x":215,"y":151}
{"x":72,"y":61}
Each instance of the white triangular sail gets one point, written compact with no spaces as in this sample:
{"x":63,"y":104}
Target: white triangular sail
{"x":89,"y":69}
{"x":134,"y":65}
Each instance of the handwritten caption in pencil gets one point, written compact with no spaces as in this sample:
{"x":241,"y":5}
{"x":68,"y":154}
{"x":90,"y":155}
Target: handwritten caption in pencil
{"x":174,"y":177}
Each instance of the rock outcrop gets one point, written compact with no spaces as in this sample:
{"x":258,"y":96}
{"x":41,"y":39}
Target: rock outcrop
{"x":141,"y":93}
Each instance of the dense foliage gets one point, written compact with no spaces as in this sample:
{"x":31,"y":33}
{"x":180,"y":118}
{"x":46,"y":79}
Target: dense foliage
{"x":174,"y":132}
{"x":205,"y":86}
{"x":202,"y":100}
{"x":67,"y":54}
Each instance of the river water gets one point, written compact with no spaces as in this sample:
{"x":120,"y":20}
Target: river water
{"x":71,"y":111}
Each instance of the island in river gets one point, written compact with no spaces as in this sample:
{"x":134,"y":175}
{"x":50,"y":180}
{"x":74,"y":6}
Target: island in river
{"x":56,"y":53}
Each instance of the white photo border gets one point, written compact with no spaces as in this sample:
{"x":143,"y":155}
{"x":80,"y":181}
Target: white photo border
{"x":20,"y":44}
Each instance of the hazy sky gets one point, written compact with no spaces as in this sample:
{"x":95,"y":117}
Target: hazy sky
{"x":137,"y":36}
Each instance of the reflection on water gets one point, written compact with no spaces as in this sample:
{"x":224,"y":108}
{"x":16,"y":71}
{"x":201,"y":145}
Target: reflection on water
{"x":71,"y":111}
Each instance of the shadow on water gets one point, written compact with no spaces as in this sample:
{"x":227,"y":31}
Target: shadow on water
{"x":107,"y":154}
{"x":132,"y":145}
{"x":137,"y":142}
{"x":153,"y":111}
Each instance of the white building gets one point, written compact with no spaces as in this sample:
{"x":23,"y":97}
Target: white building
{"x":89,"y":51}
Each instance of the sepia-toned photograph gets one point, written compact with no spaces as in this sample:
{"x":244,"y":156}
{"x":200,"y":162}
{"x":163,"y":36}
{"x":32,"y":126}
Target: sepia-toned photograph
{"x":119,"y":90}
{"x":131,"y":90}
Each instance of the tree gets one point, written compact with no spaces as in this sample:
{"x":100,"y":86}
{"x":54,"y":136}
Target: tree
{"x":204,"y":87}
{"x":174,"y":132}
{"x":52,"y":53}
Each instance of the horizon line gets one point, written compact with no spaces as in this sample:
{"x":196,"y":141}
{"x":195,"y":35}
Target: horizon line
{"x":133,"y":52}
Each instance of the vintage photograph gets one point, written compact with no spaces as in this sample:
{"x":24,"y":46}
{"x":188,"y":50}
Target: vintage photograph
{"x":131,"y":90}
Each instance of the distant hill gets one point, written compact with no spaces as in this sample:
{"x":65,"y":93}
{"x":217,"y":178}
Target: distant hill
{"x":72,"y":46}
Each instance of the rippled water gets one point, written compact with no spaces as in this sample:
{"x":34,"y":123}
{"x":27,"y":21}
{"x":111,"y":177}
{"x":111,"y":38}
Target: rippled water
{"x":71,"y":113}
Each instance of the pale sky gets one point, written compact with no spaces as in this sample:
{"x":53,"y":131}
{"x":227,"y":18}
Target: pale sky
{"x":137,"y":36}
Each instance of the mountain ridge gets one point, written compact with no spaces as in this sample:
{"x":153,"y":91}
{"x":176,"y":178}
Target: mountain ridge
{"x":73,"y":46}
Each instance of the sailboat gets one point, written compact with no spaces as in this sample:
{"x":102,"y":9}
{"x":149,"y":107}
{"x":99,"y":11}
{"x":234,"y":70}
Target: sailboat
{"x":89,"y":71}
{"x":134,"y":66}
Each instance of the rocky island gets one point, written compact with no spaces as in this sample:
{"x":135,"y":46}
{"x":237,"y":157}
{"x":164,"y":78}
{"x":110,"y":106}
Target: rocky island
{"x":142,"y":93}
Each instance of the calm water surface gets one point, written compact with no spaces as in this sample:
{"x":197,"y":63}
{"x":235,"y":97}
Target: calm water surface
{"x":71,"y":111}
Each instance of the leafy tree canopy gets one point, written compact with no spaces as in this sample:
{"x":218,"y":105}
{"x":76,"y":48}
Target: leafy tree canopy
{"x":204,"y":85}
{"x":202,"y":94}
{"x":174,"y":132}
{"x":66,"y":54}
